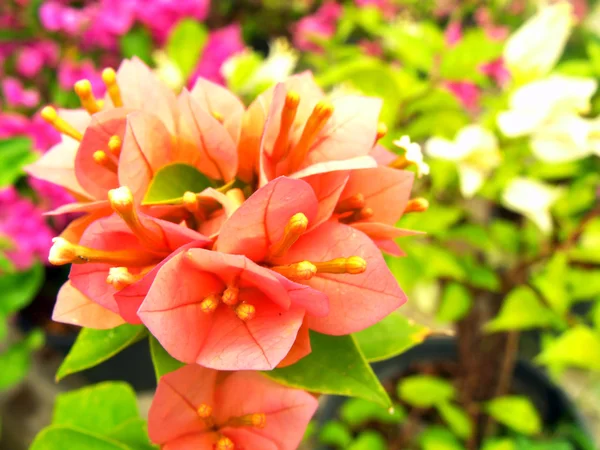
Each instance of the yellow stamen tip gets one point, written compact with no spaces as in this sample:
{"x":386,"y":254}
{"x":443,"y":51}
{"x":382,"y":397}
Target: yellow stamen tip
{"x":382,"y":130}
{"x":295,"y":227}
{"x":258,"y":420}
{"x":110,"y":80}
{"x":49,"y":114}
{"x":354,"y":202}
{"x":231,"y":296}
{"x":62,"y":252}
{"x":121,"y":200}
{"x":109,"y":76}
{"x":292,"y":99}
{"x":416,"y":205}
{"x":365,"y":213}
{"x":190,"y":201}
{"x":204,"y":411}
{"x":217,"y":115}
{"x":245,"y":311}
{"x":120,"y":277}
{"x":297,"y":224}
{"x":210,"y":304}
{"x":100,"y":157}
{"x":114,"y":145}
{"x":83,"y":88}
{"x":303,"y":270}
{"x":224,"y":443}
{"x":355,"y":265}
{"x":323,"y":110}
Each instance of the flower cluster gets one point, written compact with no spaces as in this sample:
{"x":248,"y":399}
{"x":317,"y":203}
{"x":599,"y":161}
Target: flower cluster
{"x":284,"y":235}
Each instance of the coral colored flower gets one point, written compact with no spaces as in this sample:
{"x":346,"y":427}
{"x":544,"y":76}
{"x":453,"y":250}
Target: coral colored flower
{"x":318,"y":26}
{"x":204,"y":409}
{"x":331,"y":257}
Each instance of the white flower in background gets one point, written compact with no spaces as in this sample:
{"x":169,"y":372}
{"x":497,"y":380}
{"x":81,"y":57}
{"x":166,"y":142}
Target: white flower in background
{"x":412,"y":155}
{"x":533,"y":50}
{"x":475,"y":151}
{"x":533,"y":199}
{"x":246,"y":72}
{"x":535,"y":103}
{"x":167,"y":71}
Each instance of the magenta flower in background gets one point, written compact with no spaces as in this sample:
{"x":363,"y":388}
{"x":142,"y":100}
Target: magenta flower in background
{"x":33,"y":57}
{"x":23,"y":225}
{"x":320,"y":25}
{"x":453,"y":33}
{"x":57,"y":17}
{"x":222,"y":44}
{"x":160,"y":15}
{"x":16,"y":95}
{"x":465,"y":91}
{"x":70,"y":72}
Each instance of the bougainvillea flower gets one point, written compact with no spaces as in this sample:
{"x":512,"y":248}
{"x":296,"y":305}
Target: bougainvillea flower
{"x":365,"y":204}
{"x":318,"y":26}
{"x":203,"y":409}
{"x":276,"y":228}
{"x":222,"y":311}
{"x":117,"y":251}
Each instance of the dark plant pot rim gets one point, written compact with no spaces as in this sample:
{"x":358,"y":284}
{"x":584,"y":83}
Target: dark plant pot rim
{"x":552,"y":401}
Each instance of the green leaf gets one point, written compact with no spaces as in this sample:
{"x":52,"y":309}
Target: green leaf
{"x":95,"y":346}
{"x":440,"y":262}
{"x":172,"y":181}
{"x":517,"y":413}
{"x":457,"y":419}
{"x":438,"y":438}
{"x":499,"y":444}
{"x":162,"y":361}
{"x":55,"y":437}
{"x":456,"y":303}
{"x":335,"y":366}
{"x":185,"y":44}
{"x":480,"y":276}
{"x":462,"y":61}
{"x":552,"y":283}
{"x":137,"y":42}
{"x":436,"y":220}
{"x":425,"y":391}
{"x":583,"y":284}
{"x":576,"y":347}
{"x":521,"y":310}
{"x":16,"y":360}
{"x":369,"y":440}
{"x":20,"y":288}
{"x":357,"y":412}
{"x":335,"y":434}
{"x":16,"y":153}
{"x":99,"y":408}
{"x":132,"y":432}
{"x":390,"y":337}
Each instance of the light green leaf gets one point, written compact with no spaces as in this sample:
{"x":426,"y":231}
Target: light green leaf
{"x":463,"y":60}
{"x":499,"y":444}
{"x":456,"y":303}
{"x":162,"y":361}
{"x":425,"y":391}
{"x":521,"y":310}
{"x":20,"y":288}
{"x":335,"y":434}
{"x":438,"y":438}
{"x":137,"y":42}
{"x":436,"y":220}
{"x":16,"y":360}
{"x":16,"y":153}
{"x":583,"y":284}
{"x":55,"y":437}
{"x":99,"y":409}
{"x":576,"y":347}
{"x":357,"y":412}
{"x":172,"y":181}
{"x":552,"y":283}
{"x":479,"y":275}
{"x":185,"y":44}
{"x":95,"y":346}
{"x":335,"y":366}
{"x":457,"y":419}
{"x":369,"y":440}
{"x":390,"y":337}
{"x":517,"y":413}
{"x":132,"y":432}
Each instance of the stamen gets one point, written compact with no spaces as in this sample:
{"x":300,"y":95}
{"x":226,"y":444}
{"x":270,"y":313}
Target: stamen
{"x":110,"y":80}
{"x":210,"y":303}
{"x":245,"y":311}
{"x":416,"y":205}
{"x":354,"y":202}
{"x":50,"y":115}
{"x":121,"y":201}
{"x":357,"y":216}
{"x":190,"y":202}
{"x":295,"y":227}
{"x":83,"y":89}
{"x":382,"y":130}
{"x":102,"y":159}
{"x":204,"y":410}
{"x":256,"y":420}
{"x":231,"y":295}
{"x":400,"y":163}
{"x":120,"y":277}
{"x":218,"y":116}
{"x":224,"y":443}
{"x":237,"y":196}
{"x":303,"y":270}
{"x":315,"y":123}
{"x":353,"y":265}
{"x":288,"y":115}
{"x":63,"y":252}
{"x":114,"y":145}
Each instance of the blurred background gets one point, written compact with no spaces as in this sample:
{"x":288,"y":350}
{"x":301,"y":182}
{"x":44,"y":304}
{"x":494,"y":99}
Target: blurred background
{"x":493,"y":104}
